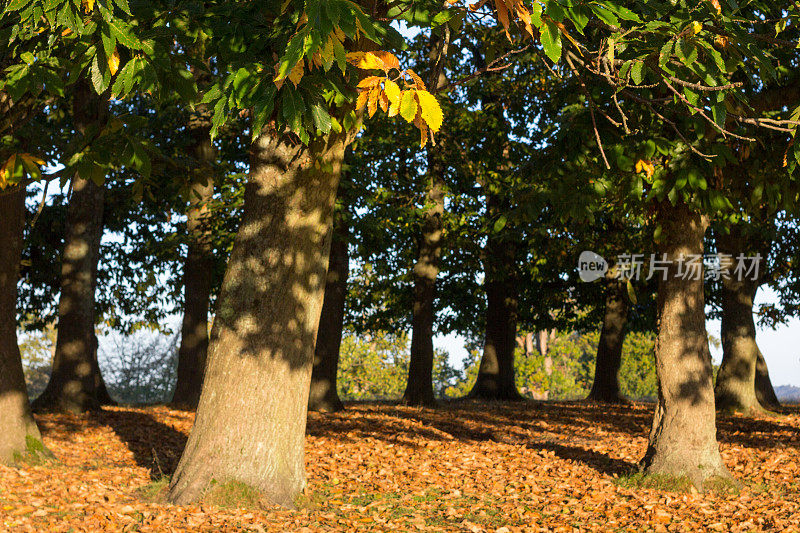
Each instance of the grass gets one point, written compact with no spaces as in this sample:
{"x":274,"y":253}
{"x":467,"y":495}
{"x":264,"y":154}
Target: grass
{"x":233,"y":494}
{"x":155,"y":491}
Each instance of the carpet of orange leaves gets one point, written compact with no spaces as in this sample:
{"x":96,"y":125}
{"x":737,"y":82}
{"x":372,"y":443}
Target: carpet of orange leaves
{"x":464,"y":467}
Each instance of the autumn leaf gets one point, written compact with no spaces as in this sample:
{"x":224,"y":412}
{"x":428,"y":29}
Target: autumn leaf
{"x":296,"y":74}
{"x":408,"y":106}
{"x":429,"y":110}
{"x":369,"y":82}
{"x":88,"y":5}
{"x":365,"y":61}
{"x":644,"y":165}
{"x":389,"y":60}
{"x":392,"y":91}
{"x":113,"y":62}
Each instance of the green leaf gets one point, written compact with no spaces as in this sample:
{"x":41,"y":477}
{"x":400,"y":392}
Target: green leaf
{"x":322,"y":119}
{"x":637,"y":72}
{"x":500,"y":223}
{"x":441,"y":18}
{"x":551,"y":41}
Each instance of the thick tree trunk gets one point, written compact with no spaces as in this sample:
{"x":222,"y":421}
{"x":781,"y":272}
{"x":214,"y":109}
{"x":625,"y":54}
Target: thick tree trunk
{"x":609,"y":349}
{"x":75,"y":376}
{"x":495,"y":379}
{"x":251,"y":419}
{"x":683,"y":438}
{"x":765,"y":393}
{"x":19,"y":436}
{"x":198,"y":270}
{"x":323,"y":395}
{"x":419,"y":389}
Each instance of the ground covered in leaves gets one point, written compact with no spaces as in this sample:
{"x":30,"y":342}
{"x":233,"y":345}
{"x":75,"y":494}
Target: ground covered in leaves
{"x":464,"y":467}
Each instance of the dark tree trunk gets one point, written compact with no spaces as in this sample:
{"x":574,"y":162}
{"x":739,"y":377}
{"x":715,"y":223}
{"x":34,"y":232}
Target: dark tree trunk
{"x":738,"y":379}
{"x":323,"y":395}
{"x":251,"y":418}
{"x":103,"y":397}
{"x":19,"y":435}
{"x":419,"y":389}
{"x":765,"y":393}
{"x":609,"y":350}
{"x":735,"y":388}
{"x":73,"y":382}
{"x":495,"y":379}
{"x":198,"y":271}
{"x":683,"y":439}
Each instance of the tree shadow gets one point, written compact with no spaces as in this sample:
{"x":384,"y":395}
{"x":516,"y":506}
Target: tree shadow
{"x":155,"y":445}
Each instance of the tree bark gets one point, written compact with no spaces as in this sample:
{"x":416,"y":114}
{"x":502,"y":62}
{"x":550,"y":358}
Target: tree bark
{"x":495,"y":380}
{"x":609,"y":349}
{"x":198,"y":271}
{"x":765,"y":393}
{"x":419,"y":388}
{"x":683,"y":437}
{"x":740,"y":386}
{"x":323,"y":395}
{"x":19,"y":435}
{"x":73,"y":382}
{"x":251,"y":418}
{"x":735,"y":388}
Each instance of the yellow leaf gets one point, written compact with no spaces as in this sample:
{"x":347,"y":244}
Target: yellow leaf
{"x":392,"y":91}
{"x":363,"y":97}
{"x":388,"y":59}
{"x":383,"y":101}
{"x":417,"y":80}
{"x":697,"y":27}
{"x":365,"y":60}
{"x":372,"y":104}
{"x":408,"y":105}
{"x":113,"y":62}
{"x":646,"y":166}
{"x":88,"y":5}
{"x":5,"y":171}
{"x":32,"y":159}
{"x":430,"y":110}
{"x":369,"y":82}
{"x":296,"y":73}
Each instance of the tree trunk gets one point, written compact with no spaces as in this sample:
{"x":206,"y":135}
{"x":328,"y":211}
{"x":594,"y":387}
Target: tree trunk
{"x":735,"y":389}
{"x":198,"y":271}
{"x":251,"y":418}
{"x":19,"y":435}
{"x":73,"y":382}
{"x":103,"y":397}
{"x":419,"y":389}
{"x":683,"y":438}
{"x":738,"y":378}
{"x":609,"y":349}
{"x":765,"y":393}
{"x":323,"y":395}
{"x":495,"y":379}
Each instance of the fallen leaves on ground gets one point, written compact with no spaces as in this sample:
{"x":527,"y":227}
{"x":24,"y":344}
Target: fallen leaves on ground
{"x":463,"y":467}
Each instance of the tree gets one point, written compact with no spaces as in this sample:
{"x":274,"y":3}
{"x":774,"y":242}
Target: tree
{"x":323,"y":394}
{"x":606,"y":387}
{"x":20,"y":436}
{"x":75,"y":379}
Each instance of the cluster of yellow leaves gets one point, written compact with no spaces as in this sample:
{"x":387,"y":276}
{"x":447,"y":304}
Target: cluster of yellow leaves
{"x":646,"y":166}
{"x":413,"y":102}
{"x":30,"y":162}
{"x":88,"y":5}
